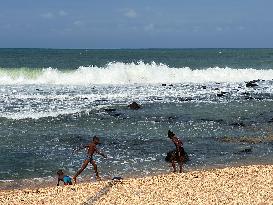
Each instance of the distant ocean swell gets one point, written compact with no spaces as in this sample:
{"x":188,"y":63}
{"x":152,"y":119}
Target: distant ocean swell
{"x":130,"y":73}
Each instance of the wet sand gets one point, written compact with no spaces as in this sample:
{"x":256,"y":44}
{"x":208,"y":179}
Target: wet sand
{"x":233,"y":185}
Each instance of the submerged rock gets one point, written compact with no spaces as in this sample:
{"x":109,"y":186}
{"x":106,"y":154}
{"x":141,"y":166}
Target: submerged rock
{"x":238,"y":124}
{"x":247,"y":150}
{"x":110,"y":110}
{"x":134,"y":106}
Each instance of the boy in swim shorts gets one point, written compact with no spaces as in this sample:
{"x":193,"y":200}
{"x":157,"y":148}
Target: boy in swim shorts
{"x":91,"y":150}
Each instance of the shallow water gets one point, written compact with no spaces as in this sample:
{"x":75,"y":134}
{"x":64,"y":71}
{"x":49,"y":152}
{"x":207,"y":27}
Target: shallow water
{"x":45,"y":116}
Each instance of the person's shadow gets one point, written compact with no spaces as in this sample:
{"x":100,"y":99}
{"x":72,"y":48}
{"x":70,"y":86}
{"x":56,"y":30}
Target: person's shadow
{"x":102,"y":192}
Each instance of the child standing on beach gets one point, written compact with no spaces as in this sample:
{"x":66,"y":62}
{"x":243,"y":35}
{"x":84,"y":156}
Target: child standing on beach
{"x":61,"y":177}
{"x":179,"y":155}
{"x":91,"y":150}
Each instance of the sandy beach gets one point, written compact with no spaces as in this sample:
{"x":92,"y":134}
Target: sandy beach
{"x":233,"y":185}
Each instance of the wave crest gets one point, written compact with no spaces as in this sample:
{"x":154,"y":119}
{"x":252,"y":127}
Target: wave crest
{"x":130,"y":73}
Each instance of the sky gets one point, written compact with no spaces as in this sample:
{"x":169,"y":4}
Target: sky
{"x":97,"y":24}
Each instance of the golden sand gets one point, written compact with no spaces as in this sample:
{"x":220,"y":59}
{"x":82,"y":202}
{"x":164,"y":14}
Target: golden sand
{"x":235,"y":185}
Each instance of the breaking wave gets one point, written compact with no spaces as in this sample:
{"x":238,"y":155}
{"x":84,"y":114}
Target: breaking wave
{"x":130,"y":73}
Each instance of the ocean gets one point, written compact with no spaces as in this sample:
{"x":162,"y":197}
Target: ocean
{"x":218,"y":101}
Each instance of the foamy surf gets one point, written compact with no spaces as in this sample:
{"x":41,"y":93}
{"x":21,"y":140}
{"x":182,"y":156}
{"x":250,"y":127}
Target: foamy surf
{"x":118,"y":73}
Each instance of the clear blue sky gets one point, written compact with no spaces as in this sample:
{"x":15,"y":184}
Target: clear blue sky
{"x":136,"y":23}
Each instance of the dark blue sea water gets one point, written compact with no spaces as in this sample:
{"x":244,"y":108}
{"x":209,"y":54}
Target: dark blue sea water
{"x":53,"y":101}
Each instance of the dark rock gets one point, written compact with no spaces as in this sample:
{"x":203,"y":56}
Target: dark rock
{"x":164,"y":84}
{"x":204,"y":87}
{"x":134,"y":106}
{"x":249,"y":98}
{"x":117,"y":114}
{"x":259,"y":98}
{"x":171,"y":118}
{"x":185,"y":99}
{"x":238,"y":124}
{"x":245,"y":151}
{"x":110,"y":110}
{"x":246,"y":93}
{"x":271,"y":120}
{"x":220,"y":94}
{"x":171,"y":85}
{"x":251,"y":84}
{"x":216,"y":89}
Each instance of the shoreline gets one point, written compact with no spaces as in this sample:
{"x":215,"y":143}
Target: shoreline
{"x":50,"y":181}
{"x":250,"y":184}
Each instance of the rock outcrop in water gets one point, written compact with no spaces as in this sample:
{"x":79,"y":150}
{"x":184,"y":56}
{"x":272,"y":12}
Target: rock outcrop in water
{"x":252,"y":83}
{"x":134,"y":106}
{"x":221,"y":94}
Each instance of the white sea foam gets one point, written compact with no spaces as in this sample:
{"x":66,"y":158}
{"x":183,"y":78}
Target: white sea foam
{"x":132,"y":73}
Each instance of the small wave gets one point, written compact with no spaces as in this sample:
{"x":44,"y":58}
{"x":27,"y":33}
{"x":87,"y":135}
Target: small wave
{"x":130,"y":73}
{"x":37,"y":115}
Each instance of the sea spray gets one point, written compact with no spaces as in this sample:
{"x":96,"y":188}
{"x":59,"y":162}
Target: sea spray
{"x":131,"y":73}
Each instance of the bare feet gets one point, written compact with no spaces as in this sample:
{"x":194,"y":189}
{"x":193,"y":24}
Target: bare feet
{"x":98,"y":178}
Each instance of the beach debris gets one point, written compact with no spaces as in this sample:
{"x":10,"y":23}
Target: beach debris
{"x":134,"y":106}
{"x":117,"y":178}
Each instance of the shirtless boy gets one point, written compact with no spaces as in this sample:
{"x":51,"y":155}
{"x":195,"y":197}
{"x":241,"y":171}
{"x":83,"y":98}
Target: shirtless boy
{"x":91,"y":150}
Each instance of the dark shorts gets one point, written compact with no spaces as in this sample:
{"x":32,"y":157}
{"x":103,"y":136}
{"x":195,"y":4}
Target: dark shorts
{"x":89,"y":158}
